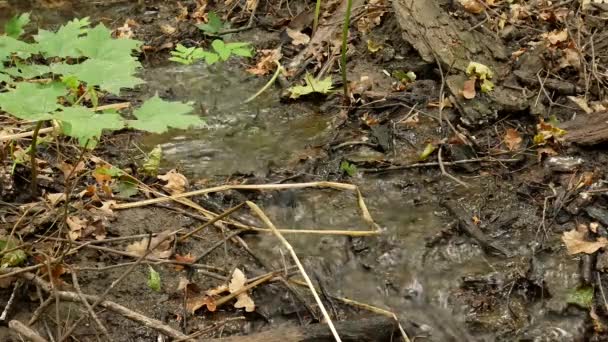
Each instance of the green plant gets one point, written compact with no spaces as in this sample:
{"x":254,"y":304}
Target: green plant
{"x":345,"y":27}
{"x":348,"y":168}
{"x":315,"y":22}
{"x":312,"y":85}
{"x":61,"y":75}
{"x":222,"y":51}
{"x":213,"y":26}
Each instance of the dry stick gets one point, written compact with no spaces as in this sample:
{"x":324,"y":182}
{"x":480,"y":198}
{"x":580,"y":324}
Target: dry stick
{"x":227,"y":298}
{"x":115,"y":307}
{"x":88,"y":306}
{"x":333,"y":185}
{"x":26,"y":331}
{"x":445,"y":173}
{"x":114,"y":283}
{"x":212,"y":221}
{"x":285,"y":243}
{"x":40,"y":310}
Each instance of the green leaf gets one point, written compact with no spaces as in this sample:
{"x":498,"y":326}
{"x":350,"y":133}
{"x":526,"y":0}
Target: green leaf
{"x":65,"y":42}
{"x":481,"y":71}
{"x":154,"y":280}
{"x":581,"y":296}
{"x":221,"y":49}
{"x":86,"y":125}
{"x":487,"y":86}
{"x":31,"y":101}
{"x":99,"y":44}
{"x":28,"y":71}
{"x":157,"y":116}
{"x":348,"y":168}
{"x":152,"y":162}
{"x":211,"y":58}
{"x":126,"y":188}
{"x":214,"y":25}
{"x":14,"y":27}
{"x":13,"y":258}
{"x":10,"y":46}
{"x":313,"y":85}
{"x":108,"y":75}
{"x":428,"y":150}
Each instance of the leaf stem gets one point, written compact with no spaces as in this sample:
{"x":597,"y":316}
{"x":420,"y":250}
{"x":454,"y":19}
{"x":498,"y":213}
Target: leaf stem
{"x":268,"y":84}
{"x":33,"y":151}
{"x":315,"y":22}
{"x":349,"y":5}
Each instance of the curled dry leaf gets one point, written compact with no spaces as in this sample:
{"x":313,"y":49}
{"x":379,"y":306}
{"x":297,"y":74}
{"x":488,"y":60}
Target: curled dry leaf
{"x":266,"y":62}
{"x":71,"y":171}
{"x":76,"y":225}
{"x":160,"y":249}
{"x":512,"y":139}
{"x":237,"y":282}
{"x":576,"y":242}
{"x":196,"y":303}
{"x":468,"y":90}
{"x":54,"y":199}
{"x":176,"y":182}
{"x":297,"y":37}
{"x":556,"y":37}
{"x":188,"y":258}
{"x":472,"y":6}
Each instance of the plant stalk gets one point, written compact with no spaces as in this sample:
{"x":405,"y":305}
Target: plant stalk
{"x":34,"y":166}
{"x":315,"y":22}
{"x":345,"y":27}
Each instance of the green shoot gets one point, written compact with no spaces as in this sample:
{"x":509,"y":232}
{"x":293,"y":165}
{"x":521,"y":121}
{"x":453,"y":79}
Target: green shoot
{"x":348,"y":168}
{"x":315,"y":22}
{"x":345,"y":27}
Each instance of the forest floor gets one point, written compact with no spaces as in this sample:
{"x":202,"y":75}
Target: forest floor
{"x":440,"y":199}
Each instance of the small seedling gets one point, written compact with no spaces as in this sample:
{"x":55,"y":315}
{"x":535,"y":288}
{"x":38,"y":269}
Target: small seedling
{"x":348,"y":168}
{"x":222,"y":51}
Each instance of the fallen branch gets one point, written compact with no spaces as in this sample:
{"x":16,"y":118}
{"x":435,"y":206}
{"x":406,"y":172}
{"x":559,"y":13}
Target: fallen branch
{"x":25,"y":331}
{"x":285,"y":243}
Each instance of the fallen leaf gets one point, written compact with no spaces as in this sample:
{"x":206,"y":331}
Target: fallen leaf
{"x":160,"y":249}
{"x":313,"y":85}
{"x":570,"y":57}
{"x":76,"y":225}
{"x":266,"y":62}
{"x":167,"y":29}
{"x":216,"y":291}
{"x":468,"y":89}
{"x":556,"y":37}
{"x":581,"y":102}
{"x":576,"y":243}
{"x":188,"y":258}
{"x":71,"y":171}
{"x":373,"y":46}
{"x":236,"y":284}
{"x":545,"y":151}
{"x":472,"y":6}
{"x":297,"y":37}
{"x":54,"y":199}
{"x":176,"y":182}
{"x":196,"y":303}
{"x":512,"y":139}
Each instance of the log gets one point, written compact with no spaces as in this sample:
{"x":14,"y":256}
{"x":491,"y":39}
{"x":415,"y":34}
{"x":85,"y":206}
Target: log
{"x":587,"y":129}
{"x":377,"y":329}
{"x":440,"y":38}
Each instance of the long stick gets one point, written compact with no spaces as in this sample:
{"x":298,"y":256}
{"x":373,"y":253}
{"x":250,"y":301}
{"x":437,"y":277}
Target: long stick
{"x":285,"y":243}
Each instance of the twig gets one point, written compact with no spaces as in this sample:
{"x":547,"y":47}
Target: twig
{"x":40,"y":310}
{"x":9,"y":304}
{"x":34,"y":165}
{"x":445,"y":173}
{"x":103,"y":329}
{"x":268,"y":84}
{"x":212,"y":221}
{"x":26,"y":331}
{"x":285,"y":243}
{"x":457,"y":162}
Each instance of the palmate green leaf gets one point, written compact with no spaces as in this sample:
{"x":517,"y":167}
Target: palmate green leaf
{"x":65,"y":42}
{"x":31,"y":101}
{"x":14,"y":27}
{"x":220,"y":47}
{"x":108,"y":75}
{"x":99,"y":44}
{"x":10,"y":46}
{"x":313,"y":85}
{"x":157,"y":116}
{"x":213,"y":26}
{"x":86,"y":125}
{"x":28,"y":71}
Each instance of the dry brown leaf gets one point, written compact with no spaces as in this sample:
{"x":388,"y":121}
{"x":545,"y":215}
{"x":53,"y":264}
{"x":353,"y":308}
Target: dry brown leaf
{"x":374,"y":11}
{"x":581,"y":102}
{"x":570,"y":57}
{"x":556,"y":37}
{"x":468,"y":89}
{"x":545,"y":151}
{"x":196,"y":303}
{"x":126,"y":30}
{"x":76,"y":225}
{"x":160,"y":250}
{"x":237,"y":282}
{"x":176,"y":182}
{"x":250,"y":5}
{"x":167,"y":29}
{"x":576,"y":243}
{"x":216,"y":291}
{"x":70,"y":170}
{"x":183,"y":284}
{"x":512,"y":139}
{"x":188,"y":258}
{"x":54,"y":199}
{"x":266,"y":62}
{"x":472,"y":6}
{"x":297,"y":37}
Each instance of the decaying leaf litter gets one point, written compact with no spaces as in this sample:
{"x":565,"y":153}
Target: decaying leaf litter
{"x":481,"y":142}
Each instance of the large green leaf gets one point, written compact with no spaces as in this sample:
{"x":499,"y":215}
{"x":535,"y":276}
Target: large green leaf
{"x":10,"y":46}
{"x":157,"y":116}
{"x":14,"y":27}
{"x":108,"y":75}
{"x":31,"y":101}
{"x":86,"y":125}
{"x":99,"y":44}
{"x":65,"y":42}
{"x":28,"y":71}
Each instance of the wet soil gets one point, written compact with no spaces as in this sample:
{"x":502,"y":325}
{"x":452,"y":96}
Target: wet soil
{"x":438,"y":278}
